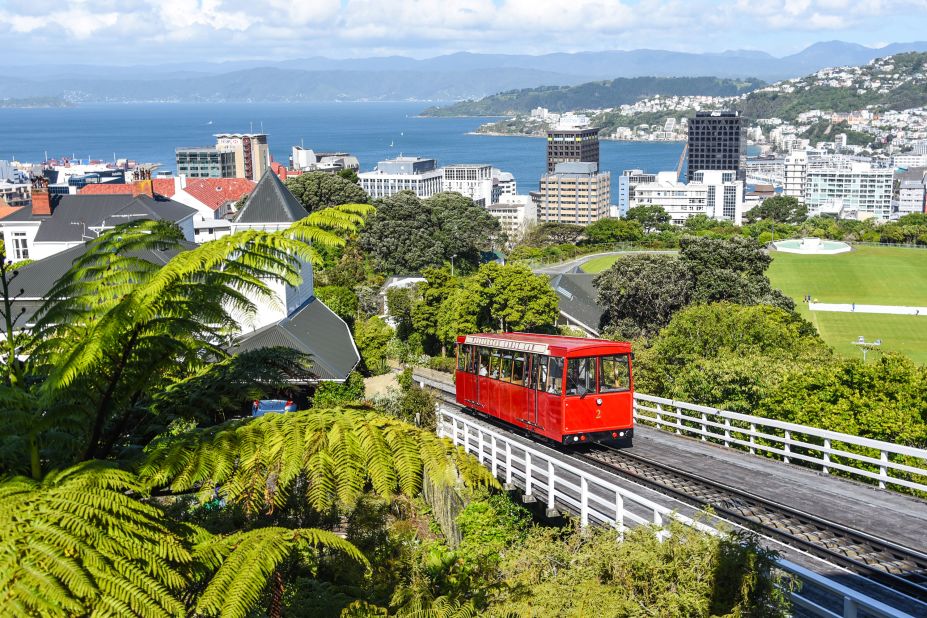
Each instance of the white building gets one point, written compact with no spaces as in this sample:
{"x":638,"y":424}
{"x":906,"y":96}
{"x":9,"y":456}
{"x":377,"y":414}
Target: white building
{"x":911,"y":195}
{"x":713,"y":193}
{"x":796,"y":168}
{"x":910,"y":160}
{"x":503,"y":184}
{"x":308,"y":160}
{"x":515,"y":214}
{"x":421,"y":176}
{"x":470,"y":180}
{"x":858,"y":191}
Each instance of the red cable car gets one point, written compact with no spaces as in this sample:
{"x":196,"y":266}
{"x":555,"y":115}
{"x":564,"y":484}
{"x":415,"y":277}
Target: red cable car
{"x":568,"y":389}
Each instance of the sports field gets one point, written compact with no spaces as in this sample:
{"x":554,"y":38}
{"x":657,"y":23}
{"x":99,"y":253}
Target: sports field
{"x":598,"y":264}
{"x":866,"y":275}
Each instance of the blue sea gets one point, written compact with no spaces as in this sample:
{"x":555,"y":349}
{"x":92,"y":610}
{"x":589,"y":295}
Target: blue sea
{"x":370,"y":131}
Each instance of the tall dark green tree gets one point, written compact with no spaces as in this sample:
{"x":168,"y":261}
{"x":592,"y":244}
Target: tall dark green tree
{"x":651,"y":218}
{"x":317,"y":190}
{"x":611,"y":230}
{"x":780,"y":208}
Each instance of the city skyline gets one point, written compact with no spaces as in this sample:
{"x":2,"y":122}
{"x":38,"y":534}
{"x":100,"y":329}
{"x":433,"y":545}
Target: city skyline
{"x":152,"y":32}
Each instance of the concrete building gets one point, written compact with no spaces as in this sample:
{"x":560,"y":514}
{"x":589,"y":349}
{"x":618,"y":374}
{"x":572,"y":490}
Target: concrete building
{"x":416,"y":174}
{"x":858,"y":191}
{"x":470,"y":180}
{"x":567,"y":145}
{"x":515,"y":214}
{"x":716,"y":142}
{"x":716,"y":194}
{"x":16,"y":193}
{"x":204,"y":162}
{"x":910,"y":160}
{"x":911,"y":196}
{"x":628,"y":180}
{"x":503,"y":183}
{"x":252,"y":155}
{"x":575,"y":193}
{"x":307,"y":160}
{"x":796,"y":169}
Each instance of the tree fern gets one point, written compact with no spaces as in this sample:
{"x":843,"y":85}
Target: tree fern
{"x":339,"y":452}
{"x":75,"y":543}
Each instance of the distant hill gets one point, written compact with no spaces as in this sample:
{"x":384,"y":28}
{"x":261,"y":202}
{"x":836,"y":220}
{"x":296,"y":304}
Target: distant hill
{"x":594,"y":95}
{"x":895,"y":82}
{"x":443,"y":78}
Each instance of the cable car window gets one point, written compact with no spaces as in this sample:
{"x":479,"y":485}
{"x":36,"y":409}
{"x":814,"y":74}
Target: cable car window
{"x":580,"y":376}
{"x":614,"y":374}
{"x":463,"y":356}
{"x":495,"y":356}
{"x":473,"y":363}
{"x":555,"y":376}
{"x":505,"y":370}
{"x":518,"y":368}
{"x":539,"y":372}
{"x":484,"y":361}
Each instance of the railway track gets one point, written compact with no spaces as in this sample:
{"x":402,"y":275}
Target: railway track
{"x":898,"y":568}
{"x":902,"y":569}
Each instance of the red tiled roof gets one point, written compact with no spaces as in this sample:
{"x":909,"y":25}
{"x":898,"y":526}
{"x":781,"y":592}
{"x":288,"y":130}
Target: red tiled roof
{"x":279,"y":170}
{"x":214,"y":192}
{"x":6,"y":209}
{"x":161,"y":186}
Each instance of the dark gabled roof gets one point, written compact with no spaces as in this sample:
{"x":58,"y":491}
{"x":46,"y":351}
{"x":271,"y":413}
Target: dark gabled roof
{"x":35,"y":280}
{"x":313,"y":329}
{"x":74,"y":215}
{"x":577,"y":299}
{"x":270,"y":202}
{"x":64,"y":225}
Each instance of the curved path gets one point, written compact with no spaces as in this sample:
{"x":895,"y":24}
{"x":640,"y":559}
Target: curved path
{"x":857,"y":308}
{"x":574,"y":265}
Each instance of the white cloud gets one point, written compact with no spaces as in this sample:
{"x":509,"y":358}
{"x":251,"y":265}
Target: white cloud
{"x":264,"y":28}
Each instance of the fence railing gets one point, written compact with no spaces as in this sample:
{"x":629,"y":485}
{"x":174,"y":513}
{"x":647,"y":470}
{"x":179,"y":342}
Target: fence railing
{"x":870,"y":460}
{"x":587,"y":492}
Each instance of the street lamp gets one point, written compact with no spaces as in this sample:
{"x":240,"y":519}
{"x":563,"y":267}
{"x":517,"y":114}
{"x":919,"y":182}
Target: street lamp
{"x":452,"y":264}
{"x":865,"y":346}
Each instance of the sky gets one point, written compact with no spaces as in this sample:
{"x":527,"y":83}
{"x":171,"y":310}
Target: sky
{"x":128,"y":32}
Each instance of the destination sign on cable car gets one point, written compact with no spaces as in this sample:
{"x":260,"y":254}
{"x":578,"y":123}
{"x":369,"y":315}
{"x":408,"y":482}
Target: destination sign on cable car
{"x":507,"y":344}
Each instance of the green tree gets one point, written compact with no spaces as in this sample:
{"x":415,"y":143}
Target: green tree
{"x":331,"y":394}
{"x":611,"y":230}
{"x":317,"y":190}
{"x":341,"y":300}
{"x":640,"y":293}
{"x":401,"y":302}
{"x":780,"y":208}
{"x":372,"y":336}
{"x":513,"y":298}
{"x":465,"y":228}
{"x":547,"y":234}
{"x":651,"y":218}
{"x":727,"y":355}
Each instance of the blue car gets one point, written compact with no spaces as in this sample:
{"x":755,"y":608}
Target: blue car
{"x":260,"y":407}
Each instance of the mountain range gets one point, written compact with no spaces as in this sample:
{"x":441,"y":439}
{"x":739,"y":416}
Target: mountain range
{"x":442,"y":78}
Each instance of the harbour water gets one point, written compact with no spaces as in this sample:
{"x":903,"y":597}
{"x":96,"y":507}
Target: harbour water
{"x":149,"y":132}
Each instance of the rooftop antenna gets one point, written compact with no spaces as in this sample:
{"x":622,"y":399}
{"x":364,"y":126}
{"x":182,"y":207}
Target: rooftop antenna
{"x":252,"y":126}
{"x":262,"y":126}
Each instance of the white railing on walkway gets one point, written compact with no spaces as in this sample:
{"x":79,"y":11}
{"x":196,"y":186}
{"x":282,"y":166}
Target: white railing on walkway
{"x":588,"y":492}
{"x":827,"y":451}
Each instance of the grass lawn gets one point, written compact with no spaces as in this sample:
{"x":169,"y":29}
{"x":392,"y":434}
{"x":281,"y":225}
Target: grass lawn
{"x":598,"y":264}
{"x":868,"y":275}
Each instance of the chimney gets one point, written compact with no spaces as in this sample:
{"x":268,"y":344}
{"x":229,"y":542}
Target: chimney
{"x":143,"y":187}
{"x":41,"y":204}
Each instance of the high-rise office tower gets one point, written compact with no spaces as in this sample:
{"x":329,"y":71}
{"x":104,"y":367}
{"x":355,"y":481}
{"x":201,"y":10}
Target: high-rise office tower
{"x":716,"y":142}
{"x":252,"y":155}
{"x":572,"y":146}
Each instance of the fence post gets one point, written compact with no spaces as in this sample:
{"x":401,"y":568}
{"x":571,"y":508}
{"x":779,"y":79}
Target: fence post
{"x":659,"y":416}
{"x":508,"y":465}
{"x":883,"y":469}
{"x":727,"y":432}
{"x":678,"y":421}
{"x":788,"y":447}
{"x":550,"y":487}
{"x":850,"y":609}
{"x":495,"y":457}
{"x":527,"y":474}
{"x":619,"y":514}
{"x":704,"y":426}
{"x":826,"y":455}
{"x":583,"y":501}
{"x":466,"y":437}
{"x":479,"y":442}
{"x":752,"y":438}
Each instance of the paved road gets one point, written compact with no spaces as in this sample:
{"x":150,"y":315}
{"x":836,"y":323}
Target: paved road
{"x":573,"y":266}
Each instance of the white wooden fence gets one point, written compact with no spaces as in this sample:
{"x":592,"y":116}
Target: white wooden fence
{"x":871,"y":460}
{"x":587,"y":491}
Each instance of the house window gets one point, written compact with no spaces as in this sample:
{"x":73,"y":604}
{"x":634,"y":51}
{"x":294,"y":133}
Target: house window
{"x":20,"y":246}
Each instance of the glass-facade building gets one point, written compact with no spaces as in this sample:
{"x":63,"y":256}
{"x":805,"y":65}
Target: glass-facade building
{"x":205,"y":162}
{"x":716,"y":142}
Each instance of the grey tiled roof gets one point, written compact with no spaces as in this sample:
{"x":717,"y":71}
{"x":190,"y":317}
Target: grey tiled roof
{"x":577,"y":298}
{"x":70,"y":211}
{"x":313,"y":329}
{"x":271,"y":202}
{"x":34,"y":281}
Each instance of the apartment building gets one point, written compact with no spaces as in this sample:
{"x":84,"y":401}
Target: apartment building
{"x":574,"y":193}
{"x":252,"y":154}
{"x":471,"y":180}
{"x":416,"y":174}
{"x":627,"y":182}
{"x":205,"y":162}
{"x":857,"y":191}
{"x":717,"y":194}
